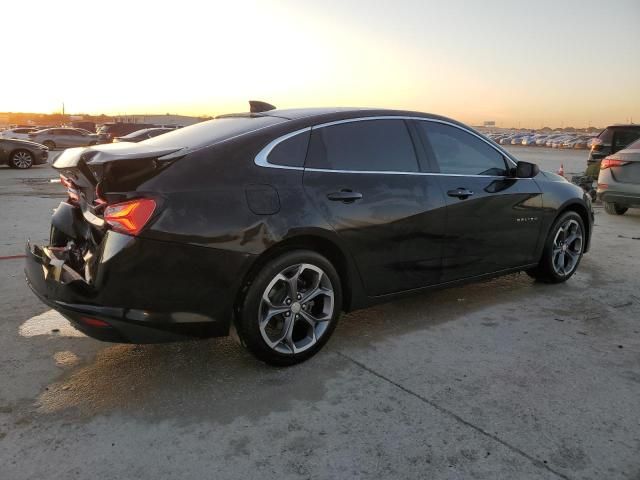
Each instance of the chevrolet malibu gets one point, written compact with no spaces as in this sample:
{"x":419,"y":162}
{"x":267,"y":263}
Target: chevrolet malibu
{"x":269,"y":224}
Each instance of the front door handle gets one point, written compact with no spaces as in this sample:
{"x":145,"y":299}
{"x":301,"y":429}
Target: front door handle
{"x":345,"y":196}
{"x":460,"y":192}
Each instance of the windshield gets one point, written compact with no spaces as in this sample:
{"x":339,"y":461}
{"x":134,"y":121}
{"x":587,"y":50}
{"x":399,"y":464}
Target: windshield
{"x":211,"y":131}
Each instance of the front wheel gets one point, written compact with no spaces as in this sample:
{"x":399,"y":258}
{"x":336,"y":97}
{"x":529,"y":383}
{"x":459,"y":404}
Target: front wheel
{"x":614,"y":209}
{"x":50,"y":144}
{"x":562,"y":250}
{"x":291,"y":308}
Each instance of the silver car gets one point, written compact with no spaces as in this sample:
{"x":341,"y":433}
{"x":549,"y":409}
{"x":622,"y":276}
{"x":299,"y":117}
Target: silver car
{"x":619,"y":180}
{"x":64,"y":137}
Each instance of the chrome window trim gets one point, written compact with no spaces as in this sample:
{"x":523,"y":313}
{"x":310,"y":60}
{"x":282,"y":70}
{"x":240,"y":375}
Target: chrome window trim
{"x":262,"y":160}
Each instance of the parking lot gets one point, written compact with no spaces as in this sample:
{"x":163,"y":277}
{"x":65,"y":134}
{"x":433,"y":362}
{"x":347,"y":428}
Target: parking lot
{"x":502,"y":379}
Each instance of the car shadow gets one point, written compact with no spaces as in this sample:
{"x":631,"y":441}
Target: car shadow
{"x":217,"y":379}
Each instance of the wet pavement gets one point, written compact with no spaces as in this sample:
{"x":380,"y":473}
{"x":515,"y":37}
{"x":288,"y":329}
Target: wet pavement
{"x":501,"y":379}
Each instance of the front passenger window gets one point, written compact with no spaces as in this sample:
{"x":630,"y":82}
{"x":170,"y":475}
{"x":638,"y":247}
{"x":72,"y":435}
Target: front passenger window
{"x":459,"y":152}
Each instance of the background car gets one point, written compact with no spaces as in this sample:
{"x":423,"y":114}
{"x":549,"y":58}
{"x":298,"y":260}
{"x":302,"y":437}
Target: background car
{"x":21,"y":153}
{"x":20,"y":133}
{"x":108,"y":131}
{"x":64,"y":137}
{"x":619,"y":180}
{"x":611,"y":140}
{"x":274,"y":222}
{"x":144,"y":134}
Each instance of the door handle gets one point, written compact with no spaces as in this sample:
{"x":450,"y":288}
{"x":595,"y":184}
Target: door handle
{"x":460,"y":192}
{"x":344,"y":196}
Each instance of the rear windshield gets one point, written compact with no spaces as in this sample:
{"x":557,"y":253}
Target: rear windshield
{"x":211,"y":131}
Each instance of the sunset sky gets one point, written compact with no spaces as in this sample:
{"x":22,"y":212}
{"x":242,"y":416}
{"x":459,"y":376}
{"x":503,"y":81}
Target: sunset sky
{"x":529,"y":63}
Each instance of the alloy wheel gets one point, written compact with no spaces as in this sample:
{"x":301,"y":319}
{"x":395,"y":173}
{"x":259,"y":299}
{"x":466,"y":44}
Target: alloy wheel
{"x":296,"y":308}
{"x":567,"y":247}
{"x":22,"y":159}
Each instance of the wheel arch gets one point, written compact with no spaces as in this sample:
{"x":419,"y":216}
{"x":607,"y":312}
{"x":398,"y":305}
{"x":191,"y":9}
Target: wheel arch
{"x":315,"y":242}
{"x":20,"y":149}
{"x":581,"y":210}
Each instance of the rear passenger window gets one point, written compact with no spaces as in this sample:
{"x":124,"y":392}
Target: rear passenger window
{"x":459,"y":152}
{"x":291,"y":152}
{"x":366,"y":145}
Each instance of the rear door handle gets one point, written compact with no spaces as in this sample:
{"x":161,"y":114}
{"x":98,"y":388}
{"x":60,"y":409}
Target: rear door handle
{"x":460,"y":192}
{"x":345,"y":196}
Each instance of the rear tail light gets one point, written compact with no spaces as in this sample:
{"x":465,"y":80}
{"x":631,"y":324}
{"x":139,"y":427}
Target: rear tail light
{"x":71,"y":188}
{"x":130,"y":217}
{"x":608,"y":163}
{"x":94,"y":322}
{"x":596,"y":144}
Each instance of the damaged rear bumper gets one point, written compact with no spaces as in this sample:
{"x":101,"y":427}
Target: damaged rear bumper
{"x":141,"y":290}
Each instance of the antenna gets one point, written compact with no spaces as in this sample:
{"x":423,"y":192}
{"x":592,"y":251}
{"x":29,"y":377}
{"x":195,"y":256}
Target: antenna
{"x":257,"y":106}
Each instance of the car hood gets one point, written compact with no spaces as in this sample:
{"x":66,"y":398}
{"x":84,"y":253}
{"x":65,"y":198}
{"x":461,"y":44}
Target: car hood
{"x":552,"y":177}
{"x":24,"y":143}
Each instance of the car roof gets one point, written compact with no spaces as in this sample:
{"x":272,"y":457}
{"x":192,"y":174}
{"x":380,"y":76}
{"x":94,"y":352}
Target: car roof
{"x":624,"y":125}
{"x":329,"y":114}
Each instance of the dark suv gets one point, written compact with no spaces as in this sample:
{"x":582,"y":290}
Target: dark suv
{"x":611,"y":140}
{"x":273,"y":223}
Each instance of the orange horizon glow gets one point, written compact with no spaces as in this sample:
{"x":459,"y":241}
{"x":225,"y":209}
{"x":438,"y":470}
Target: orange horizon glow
{"x":509,"y":62}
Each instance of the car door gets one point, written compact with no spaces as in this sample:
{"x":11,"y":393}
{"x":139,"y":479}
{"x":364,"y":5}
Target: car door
{"x":363,"y":176}
{"x":75,"y":138}
{"x":493,"y":219}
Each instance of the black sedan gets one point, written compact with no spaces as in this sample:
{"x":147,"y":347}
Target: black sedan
{"x":144,"y":134}
{"x":22,"y":153}
{"x":272,"y":223}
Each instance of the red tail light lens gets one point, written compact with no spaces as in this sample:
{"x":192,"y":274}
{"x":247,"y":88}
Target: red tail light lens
{"x":608,"y":163}
{"x":71,"y":188}
{"x":130,"y":217}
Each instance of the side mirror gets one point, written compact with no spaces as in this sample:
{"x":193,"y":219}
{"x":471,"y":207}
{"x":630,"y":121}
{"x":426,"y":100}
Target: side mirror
{"x":526,"y":170}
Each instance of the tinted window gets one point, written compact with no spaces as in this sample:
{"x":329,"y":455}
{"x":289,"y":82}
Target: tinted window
{"x":622,"y":138}
{"x":291,"y":152}
{"x":374,"y":145}
{"x":460,"y":152}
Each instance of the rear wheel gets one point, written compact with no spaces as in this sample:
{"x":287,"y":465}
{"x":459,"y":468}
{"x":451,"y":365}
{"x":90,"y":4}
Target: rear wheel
{"x":21,"y":159}
{"x":291,"y":308}
{"x":562,"y":251}
{"x":614,"y":209}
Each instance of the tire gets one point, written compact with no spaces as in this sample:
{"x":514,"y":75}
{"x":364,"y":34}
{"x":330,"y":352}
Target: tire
{"x":562,"y":250}
{"x":49,"y":144}
{"x":21,"y":159}
{"x":614,"y":209}
{"x":284,"y":331}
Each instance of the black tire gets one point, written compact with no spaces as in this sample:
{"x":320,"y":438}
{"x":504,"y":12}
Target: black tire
{"x":614,"y":209}
{"x":21,"y":159}
{"x":251,"y":308}
{"x":546,"y":271}
{"x":50,"y":144}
